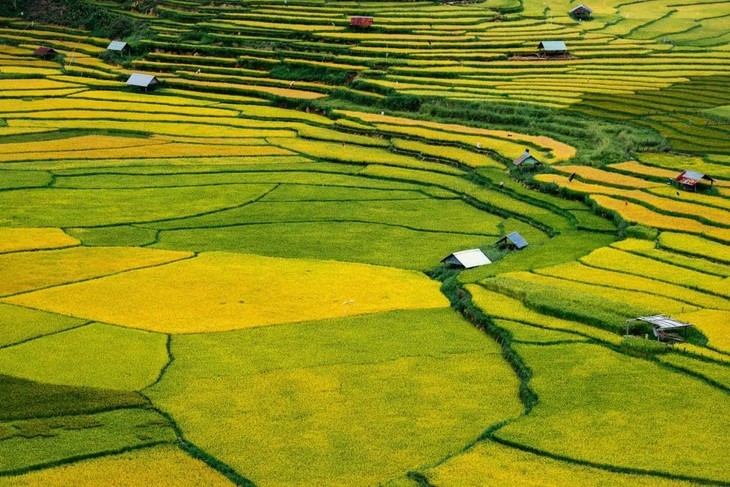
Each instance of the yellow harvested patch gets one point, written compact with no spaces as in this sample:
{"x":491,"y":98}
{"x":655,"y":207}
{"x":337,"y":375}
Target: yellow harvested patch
{"x":25,"y":271}
{"x":639,"y":214}
{"x":560,"y":151}
{"x":612,"y":178}
{"x":671,"y":205}
{"x":714,"y":323}
{"x":15,"y":239}
{"x":220,"y":291}
{"x":162,"y":465}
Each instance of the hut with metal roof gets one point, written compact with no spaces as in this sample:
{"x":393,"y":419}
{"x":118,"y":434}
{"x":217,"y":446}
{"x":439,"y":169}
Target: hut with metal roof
{"x":119,"y":46}
{"x":144,"y":81}
{"x":513,"y":241}
{"x":44,"y":52}
{"x":548,"y":49}
{"x":665,"y":328}
{"x":581,"y":12}
{"x":361,"y":21}
{"x":690,"y":179}
{"x":466,"y":259}
{"x":526,"y":160}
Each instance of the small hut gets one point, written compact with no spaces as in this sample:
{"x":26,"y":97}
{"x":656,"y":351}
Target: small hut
{"x":44,"y":52}
{"x":467,"y":259}
{"x":361,"y":21}
{"x":512,"y":241}
{"x":690,"y":179}
{"x":665,"y":328}
{"x":581,"y":12}
{"x":143,"y":81}
{"x":526,"y":160}
{"x":119,"y":46}
{"x":552,"y":49}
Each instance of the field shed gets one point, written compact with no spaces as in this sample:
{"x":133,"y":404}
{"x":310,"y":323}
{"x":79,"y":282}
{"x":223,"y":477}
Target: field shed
{"x":665,"y":328}
{"x":552,"y":49}
{"x":581,"y":12}
{"x":45,"y":52}
{"x":144,"y":81}
{"x":361,"y":21}
{"x":467,"y":259}
{"x":512,"y":241}
{"x":526,"y":160}
{"x":690,"y":179}
{"x":118,"y":46}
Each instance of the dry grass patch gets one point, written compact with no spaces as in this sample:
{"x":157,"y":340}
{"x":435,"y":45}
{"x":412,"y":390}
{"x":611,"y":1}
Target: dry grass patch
{"x":252,"y":291}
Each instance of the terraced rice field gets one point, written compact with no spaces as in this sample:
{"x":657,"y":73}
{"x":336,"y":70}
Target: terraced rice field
{"x":235,"y":278}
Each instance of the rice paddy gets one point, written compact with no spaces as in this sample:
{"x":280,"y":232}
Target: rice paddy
{"x":235,"y":277}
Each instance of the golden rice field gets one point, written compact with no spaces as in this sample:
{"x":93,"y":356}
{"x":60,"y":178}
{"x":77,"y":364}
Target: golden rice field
{"x":235,"y":277}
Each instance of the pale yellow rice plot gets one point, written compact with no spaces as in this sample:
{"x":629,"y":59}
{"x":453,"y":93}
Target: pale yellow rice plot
{"x":612,"y":178}
{"x":46,"y":93}
{"x":162,"y":150}
{"x":265,"y":90}
{"x":17,"y":239}
{"x":22,"y":130}
{"x":498,"y":305}
{"x":715,"y":215}
{"x":559,"y":150}
{"x":87,"y":81}
{"x":157,"y":466}
{"x":34,"y":84}
{"x":490,"y":463}
{"x":149,"y":107}
{"x":160,"y":97}
{"x":691,"y":244}
{"x":714,"y":323}
{"x":77,"y":143}
{"x":162,"y":128}
{"x":220,"y":291}
{"x":638,"y":168}
{"x":29,"y":70}
{"x":25,"y":271}
{"x":639,"y":214}
{"x":699,"y":198}
{"x":463,"y":156}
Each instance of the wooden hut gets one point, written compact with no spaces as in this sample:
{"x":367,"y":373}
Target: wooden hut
{"x":144,"y":81}
{"x":466,"y":259}
{"x":44,"y":52}
{"x":581,"y":12}
{"x":526,"y":160}
{"x":513,"y":241}
{"x":690,"y":179}
{"x":119,"y":46}
{"x":552,"y":49}
{"x":361,"y":21}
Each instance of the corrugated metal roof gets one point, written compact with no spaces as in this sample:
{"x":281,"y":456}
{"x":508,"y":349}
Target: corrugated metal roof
{"x":553,"y":46}
{"x":43,"y":50}
{"x":663,"y":322}
{"x":525,"y":157}
{"x":517,"y":239}
{"x":693,"y":175}
{"x":580,"y":8}
{"x":116,"y":46}
{"x":142,"y":80}
{"x":468,"y":258}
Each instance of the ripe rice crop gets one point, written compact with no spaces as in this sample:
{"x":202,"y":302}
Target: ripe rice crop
{"x":340,"y":403}
{"x":523,"y":332}
{"x":17,"y":239}
{"x":713,"y":324}
{"x":462,"y":156}
{"x":647,"y":249}
{"x":639,"y":214}
{"x":150,"y":108}
{"x":33,"y":84}
{"x":25,"y":271}
{"x":601,"y":406}
{"x":698,"y":198}
{"x":619,"y":261}
{"x":96,"y":355}
{"x":240,"y":298}
{"x":601,"y":176}
{"x":717,"y":372}
{"x":574,"y":271}
{"x":694,"y":245}
{"x":60,"y":207}
{"x":151,"y":466}
{"x":18,"y":324}
{"x":357,"y":154}
{"x":498,"y":305}
{"x":638,"y":168}
{"x":248,"y":88}
{"x":491,"y":463}
{"x":78,"y":143}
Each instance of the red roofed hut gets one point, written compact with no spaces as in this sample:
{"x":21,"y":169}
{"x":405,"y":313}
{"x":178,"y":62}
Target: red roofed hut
{"x":361,"y":22}
{"x":690,"y":179}
{"x":44,"y":52}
